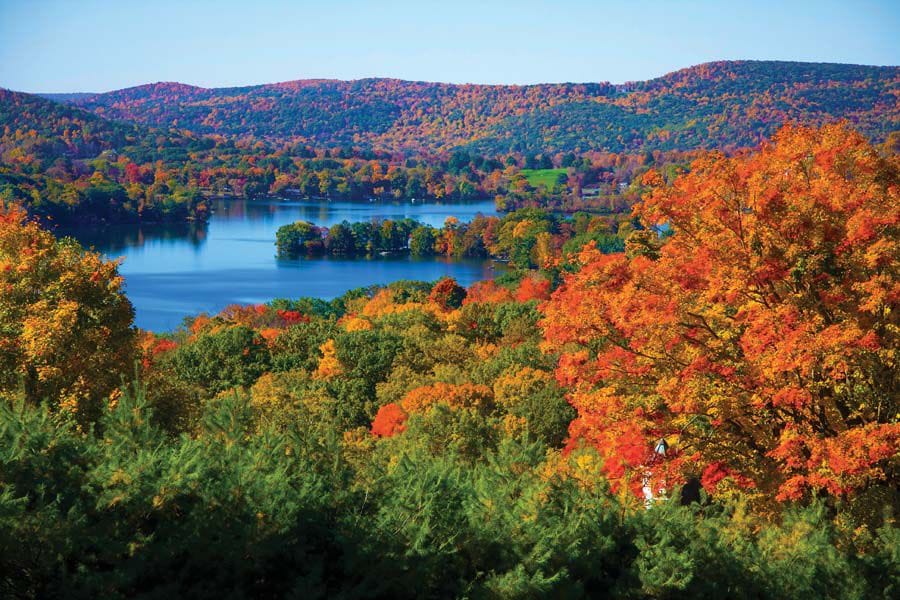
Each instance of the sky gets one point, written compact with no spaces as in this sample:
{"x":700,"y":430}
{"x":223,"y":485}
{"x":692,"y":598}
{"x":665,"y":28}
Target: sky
{"x":101,"y":45}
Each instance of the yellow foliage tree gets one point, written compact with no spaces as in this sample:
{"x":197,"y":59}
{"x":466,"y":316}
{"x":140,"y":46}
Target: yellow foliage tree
{"x":514,"y":386}
{"x":466,"y":395}
{"x":66,"y":332}
{"x":329,"y":366}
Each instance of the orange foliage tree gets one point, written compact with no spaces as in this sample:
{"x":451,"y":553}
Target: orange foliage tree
{"x":487,"y":292}
{"x":389,"y":421}
{"x":760,"y":340}
{"x":329,"y":365}
{"x":461,"y":396}
{"x":533,"y":287}
{"x":391,"y":418}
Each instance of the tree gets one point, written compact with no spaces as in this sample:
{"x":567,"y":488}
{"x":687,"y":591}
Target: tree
{"x":389,"y":420}
{"x":533,"y":396}
{"x":66,"y":331}
{"x":447,"y":294}
{"x":761,"y":342}
{"x":298,"y":238}
{"x":340,"y":239}
{"x":463,"y":396}
{"x":421,"y":241}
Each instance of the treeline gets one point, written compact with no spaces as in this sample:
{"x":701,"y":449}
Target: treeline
{"x":644,"y":125}
{"x":397,"y":140}
{"x":526,"y":238}
{"x":98,"y":200}
{"x":375,"y":113}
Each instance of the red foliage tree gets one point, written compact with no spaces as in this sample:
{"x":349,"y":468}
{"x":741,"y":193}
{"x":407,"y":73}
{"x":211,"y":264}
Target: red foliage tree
{"x":292,"y":317}
{"x":389,"y":421}
{"x":533,"y":288}
{"x":447,"y":294}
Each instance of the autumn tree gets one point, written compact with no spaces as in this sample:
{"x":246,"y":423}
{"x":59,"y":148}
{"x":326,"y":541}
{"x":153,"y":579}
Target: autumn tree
{"x":421,"y":241}
{"x":463,"y":396}
{"x":760,"y":341}
{"x":297,"y":238}
{"x":66,"y":331}
{"x":447,"y":294}
{"x":533,"y":396}
{"x":389,"y":420}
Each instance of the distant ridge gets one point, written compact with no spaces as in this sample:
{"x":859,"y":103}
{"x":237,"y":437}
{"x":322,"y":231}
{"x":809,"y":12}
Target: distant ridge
{"x":713,"y":105}
{"x":67,"y":97}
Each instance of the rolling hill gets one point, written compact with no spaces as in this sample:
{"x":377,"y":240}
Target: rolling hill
{"x":714,"y":105}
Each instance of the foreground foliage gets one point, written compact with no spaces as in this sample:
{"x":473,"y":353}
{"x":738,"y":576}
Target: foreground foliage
{"x":525,"y":437}
{"x":249,"y":510}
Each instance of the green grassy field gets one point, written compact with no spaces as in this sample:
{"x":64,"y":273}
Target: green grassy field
{"x":544,"y":177}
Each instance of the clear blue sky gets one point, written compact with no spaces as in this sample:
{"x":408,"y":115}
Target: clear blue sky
{"x":94,"y":45}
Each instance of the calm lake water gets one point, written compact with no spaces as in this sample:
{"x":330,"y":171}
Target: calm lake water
{"x":175,"y":271}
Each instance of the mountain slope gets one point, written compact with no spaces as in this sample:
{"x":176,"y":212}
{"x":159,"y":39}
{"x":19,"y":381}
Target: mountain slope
{"x":722,"y":104}
{"x":30,"y":124}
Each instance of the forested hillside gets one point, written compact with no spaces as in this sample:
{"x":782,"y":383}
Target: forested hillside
{"x":155,"y":152}
{"x":34,"y":126}
{"x":714,"y":105}
{"x":67,"y":165}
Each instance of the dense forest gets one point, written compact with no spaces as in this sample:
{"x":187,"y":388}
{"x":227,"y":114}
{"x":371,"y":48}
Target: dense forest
{"x":716,"y":105}
{"x":708,"y":410}
{"x":66,"y":165}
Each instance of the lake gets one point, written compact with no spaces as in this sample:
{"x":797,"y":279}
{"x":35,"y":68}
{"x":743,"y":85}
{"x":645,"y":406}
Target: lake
{"x":175,"y":271}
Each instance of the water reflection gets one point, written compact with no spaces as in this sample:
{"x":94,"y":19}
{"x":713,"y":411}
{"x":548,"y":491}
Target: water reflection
{"x":327,"y":213}
{"x":114,"y":239}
